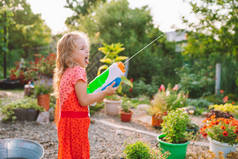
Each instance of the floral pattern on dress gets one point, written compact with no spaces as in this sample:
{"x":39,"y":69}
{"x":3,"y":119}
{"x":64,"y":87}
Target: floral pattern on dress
{"x":72,"y":132}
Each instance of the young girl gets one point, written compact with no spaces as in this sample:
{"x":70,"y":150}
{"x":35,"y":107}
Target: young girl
{"x":70,"y":85}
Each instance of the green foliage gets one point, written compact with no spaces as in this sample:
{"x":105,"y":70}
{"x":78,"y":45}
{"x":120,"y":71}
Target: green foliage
{"x":79,"y":8}
{"x":126,"y":105}
{"x":27,"y":32}
{"x":40,"y":89}
{"x":116,"y":22}
{"x":228,"y":107}
{"x":25,"y":103}
{"x":138,"y":150}
{"x":114,"y":97}
{"x":111,"y":55}
{"x":140,"y":88}
{"x":199,"y":103}
{"x":134,"y":102}
{"x":219,"y":20}
{"x":96,"y":108}
{"x":197,"y":79}
{"x":174,"y":126}
{"x":215,"y":34}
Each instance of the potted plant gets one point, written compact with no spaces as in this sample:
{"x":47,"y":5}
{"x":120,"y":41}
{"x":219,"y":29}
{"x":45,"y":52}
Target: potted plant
{"x":23,"y":109}
{"x":164,"y":101}
{"x":112,"y":104}
{"x":174,"y":137}
{"x":125,"y":112}
{"x":158,"y":109}
{"x":222,"y":134}
{"x":111,"y":52}
{"x":42,"y":92}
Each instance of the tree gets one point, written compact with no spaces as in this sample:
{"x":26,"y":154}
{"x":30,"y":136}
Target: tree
{"x":27,"y":32}
{"x":216,"y":33}
{"x":79,"y":7}
{"x":115,"y":22}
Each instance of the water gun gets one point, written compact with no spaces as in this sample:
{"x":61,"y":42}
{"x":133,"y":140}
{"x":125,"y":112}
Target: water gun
{"x":112,"y":74}
{"x":105,"y":79}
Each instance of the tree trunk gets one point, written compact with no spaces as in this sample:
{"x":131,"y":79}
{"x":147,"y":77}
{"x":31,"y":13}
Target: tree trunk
{"x":218,"y":78}
{"x":5,"y":49}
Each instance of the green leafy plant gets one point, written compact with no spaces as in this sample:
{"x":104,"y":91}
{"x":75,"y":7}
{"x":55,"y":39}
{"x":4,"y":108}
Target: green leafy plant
{"x":96,"y":108}
{"x":138,"y":150}
{"x":114,"y":97}
{"x":228,"y":107}
{"x":126,"y":105}
{"x":174,"y":126}
{"x":111,"y":56}
{"x":40,"y":89}
{"x":25,"y":103}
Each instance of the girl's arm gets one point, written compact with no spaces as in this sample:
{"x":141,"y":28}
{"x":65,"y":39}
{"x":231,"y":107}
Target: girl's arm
{"x":87,"y":99}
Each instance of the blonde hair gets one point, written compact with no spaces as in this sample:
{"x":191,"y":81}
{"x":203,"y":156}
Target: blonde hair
{"x":65,"y":47}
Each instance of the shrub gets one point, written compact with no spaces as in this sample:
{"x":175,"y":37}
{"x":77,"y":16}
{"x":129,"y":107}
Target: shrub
{"x":174,"y":126}
{"x":96,"y":108}
{"x":138,"y":150}
{"x":140,"y":88}
{"x":26,"y":103}
{"x":199,"y":103}
{"x":197,"y":80}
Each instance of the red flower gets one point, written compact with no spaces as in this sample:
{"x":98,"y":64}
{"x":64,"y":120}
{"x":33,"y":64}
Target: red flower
{"x":236,"y":131}
{"x":131,"y":80}
{"x":233,"y":102}
{"x":223,"y":127}
{"x":225,"y":133}
{"x":225,"y":99}
{"x":221,"y":91}
{"x":204,"y":134}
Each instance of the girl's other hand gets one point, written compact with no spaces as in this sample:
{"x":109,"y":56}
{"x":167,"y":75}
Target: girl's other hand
{"x":110,"y":90}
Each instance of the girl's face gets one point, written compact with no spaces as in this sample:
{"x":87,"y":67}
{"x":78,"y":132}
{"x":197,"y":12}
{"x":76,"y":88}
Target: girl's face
{"x":81,"y":54}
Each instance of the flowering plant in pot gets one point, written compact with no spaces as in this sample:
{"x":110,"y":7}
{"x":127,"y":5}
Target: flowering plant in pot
{"x":164,"y":101}
{"x":222,"y":134}
{"x":175,"y":136}
{"x":126,"y":112}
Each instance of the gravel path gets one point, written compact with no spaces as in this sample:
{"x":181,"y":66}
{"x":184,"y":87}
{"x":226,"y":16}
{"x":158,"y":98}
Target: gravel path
{"x":106,"y":142}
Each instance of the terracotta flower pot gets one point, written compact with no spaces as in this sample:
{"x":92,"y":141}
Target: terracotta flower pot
{"x":44,"y":101}
{"x":157,"y":120}
{"x":125,"y":116}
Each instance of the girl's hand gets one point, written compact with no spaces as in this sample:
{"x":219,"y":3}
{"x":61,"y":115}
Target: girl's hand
{"x":110,"y":90}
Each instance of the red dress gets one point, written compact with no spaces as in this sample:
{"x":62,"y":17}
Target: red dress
{"x":74,"y":120}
